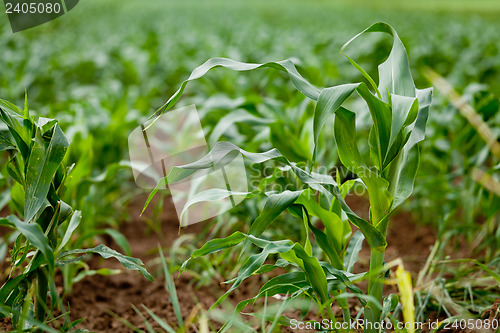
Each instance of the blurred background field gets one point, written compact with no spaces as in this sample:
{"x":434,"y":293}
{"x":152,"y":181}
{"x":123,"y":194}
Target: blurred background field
{"x":106,"y":66}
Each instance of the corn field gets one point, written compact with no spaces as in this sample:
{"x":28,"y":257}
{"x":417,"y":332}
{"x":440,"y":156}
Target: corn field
{"x":259,"y":166}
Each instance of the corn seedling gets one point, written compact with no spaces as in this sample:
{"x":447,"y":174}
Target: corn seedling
{"x":43,"y":224}
{"x":399,"y":113}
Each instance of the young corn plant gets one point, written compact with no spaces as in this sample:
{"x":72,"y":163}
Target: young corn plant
{"x":385,"y":162}
{"x":42,"y":223}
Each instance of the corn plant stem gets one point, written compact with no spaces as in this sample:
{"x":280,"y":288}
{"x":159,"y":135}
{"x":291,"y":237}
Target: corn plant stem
{"x":344,"y":305}
{"x":346,"y":314}
{"x":375,"y":285}
{"x":41,"y":299}
{"x":330,"y":313}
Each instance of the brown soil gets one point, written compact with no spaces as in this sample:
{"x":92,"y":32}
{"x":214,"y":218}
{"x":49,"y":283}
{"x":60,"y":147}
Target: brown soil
{"x":96,"y":296}
{"x":102,"y":299}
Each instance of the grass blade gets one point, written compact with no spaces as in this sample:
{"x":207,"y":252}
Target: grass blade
{"x":170,"y":287}
{"x":160,"y":321}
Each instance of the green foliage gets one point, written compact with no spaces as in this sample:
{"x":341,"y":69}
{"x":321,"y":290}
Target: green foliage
{"x":101,"y":82}
{"x":36,"y":147}
{"x":388,"y":171}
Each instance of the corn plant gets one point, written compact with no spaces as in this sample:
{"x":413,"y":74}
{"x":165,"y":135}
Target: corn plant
{"x":385,"y":162}
{"x":43,"y":224}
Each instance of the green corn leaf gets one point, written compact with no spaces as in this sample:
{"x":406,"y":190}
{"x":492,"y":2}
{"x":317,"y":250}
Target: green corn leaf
{"x":365,"y":75}
{"x":344,"y":190}
{"x":28,"y":125}
{"x":352,"y":252}
{"x":314,"y":272}
{"x":62,"y":262}
{"x":254,"y":263}
{"x":11,"y":108}
{"x":219,"y":244}
{"x":106,"y":253}
{"x":46,"y":124}
{"x":295,"y":148}
{"x":39,"y":261}
{"x":280,"y":263}
{"x":74,"y":222}
{"x":262,"y":243}
{"x":275,"y":205}
{"x":394,"y":74}
{"x":5,"y":144}
{"x":26,"y":113}
{"x":307,"y":242}
{"x":21,"y":128}
{"x":31,"y":322}
{"x":220,"y":155}
{"x":329,"y":101}
{"x":10,"y":117}
{"x":34,"y":234}
{"x":293,"y":284}
{"x":214,"y":246}
{"x":403,"y":170}
{"x":7,"y":289}
{"x":64,"y":210}
{"x":42,"y":165}
{"x":325,"y":244}
{"x":287,"y":283}
{"x":15,"y":171}
{"x":223,"y":152}
{"x":342,"y":276}
{"x":213,"y":194}
{"x":382,"y":116}
{"x":286,"y":65}
{"x":404,"y":112}
{"x":315,"y":275}
{"x":337,"y":209}
{"x":389,"y":305}
{"x":334,"y":226}
{"x":266,"y":268}
{"x":345,"y":136}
